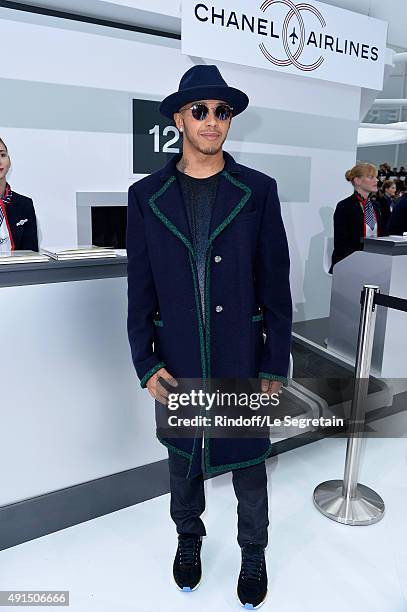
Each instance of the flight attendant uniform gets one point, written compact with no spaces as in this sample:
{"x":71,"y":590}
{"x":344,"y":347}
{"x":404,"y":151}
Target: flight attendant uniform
{"x":18,"y":223}
{"x":355,"y":218}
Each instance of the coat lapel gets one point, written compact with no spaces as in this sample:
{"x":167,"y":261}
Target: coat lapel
{"x":231,"y":196}
{"x":167,"y":202}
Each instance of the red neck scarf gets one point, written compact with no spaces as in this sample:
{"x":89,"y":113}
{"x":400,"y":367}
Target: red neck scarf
{"x":4,"y":202}
{"x":363,"y":204}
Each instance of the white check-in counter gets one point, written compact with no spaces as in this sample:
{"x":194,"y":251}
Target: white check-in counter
{"x":383,"y":262}
{"x":71,"y":407}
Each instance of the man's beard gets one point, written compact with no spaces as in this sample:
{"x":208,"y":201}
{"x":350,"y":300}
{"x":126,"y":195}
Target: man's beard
{"x":208,"y":150}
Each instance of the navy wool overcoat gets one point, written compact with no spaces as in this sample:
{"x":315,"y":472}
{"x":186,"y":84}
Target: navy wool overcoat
{"x":247,"y":292}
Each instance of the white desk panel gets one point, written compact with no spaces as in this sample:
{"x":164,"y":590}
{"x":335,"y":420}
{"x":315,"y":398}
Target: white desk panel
{"x":71,"y":407}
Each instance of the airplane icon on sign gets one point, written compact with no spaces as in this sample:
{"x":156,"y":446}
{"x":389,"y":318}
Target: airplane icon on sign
{"x":293,"y":36}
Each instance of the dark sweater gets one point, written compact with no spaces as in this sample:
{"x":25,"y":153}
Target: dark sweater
{"x":199,"y":196}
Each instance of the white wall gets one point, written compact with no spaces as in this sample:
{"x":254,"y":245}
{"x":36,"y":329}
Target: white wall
{"x":393,"y":11}
{"x":395,"y":86}
{"x":153,"y":14}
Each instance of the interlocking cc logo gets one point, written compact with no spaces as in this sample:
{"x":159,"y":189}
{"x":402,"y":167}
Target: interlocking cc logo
{"x":292,"y":59}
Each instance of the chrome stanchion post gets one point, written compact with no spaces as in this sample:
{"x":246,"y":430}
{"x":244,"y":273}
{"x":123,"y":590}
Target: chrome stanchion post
{"x":348,"y":501}
{"x":362,"y":371}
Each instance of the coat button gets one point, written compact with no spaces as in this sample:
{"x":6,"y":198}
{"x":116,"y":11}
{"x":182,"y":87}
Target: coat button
{"x":218,"y":258}
{"x":219,"y":308}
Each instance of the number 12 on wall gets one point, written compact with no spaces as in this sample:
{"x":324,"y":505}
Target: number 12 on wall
{"x":167,"y":146}
{"x":154,"y":138}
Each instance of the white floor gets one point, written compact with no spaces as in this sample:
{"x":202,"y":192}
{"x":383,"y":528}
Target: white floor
{"x":122,"y":561}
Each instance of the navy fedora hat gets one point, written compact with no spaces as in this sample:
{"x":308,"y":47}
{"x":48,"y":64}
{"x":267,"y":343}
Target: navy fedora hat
{"x":203,"y":82}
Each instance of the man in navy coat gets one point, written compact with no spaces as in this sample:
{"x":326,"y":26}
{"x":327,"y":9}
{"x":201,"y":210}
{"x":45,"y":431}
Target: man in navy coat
{"x":208,"y":275}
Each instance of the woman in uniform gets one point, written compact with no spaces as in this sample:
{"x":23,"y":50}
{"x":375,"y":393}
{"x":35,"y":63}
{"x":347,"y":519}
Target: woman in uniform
{"x":358,"y":216}
{"x":386,"y":198}
{"x":18,"y":224}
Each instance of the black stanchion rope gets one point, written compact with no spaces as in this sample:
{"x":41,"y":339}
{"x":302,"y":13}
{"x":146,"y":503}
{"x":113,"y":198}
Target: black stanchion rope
{"x":390,"y":301}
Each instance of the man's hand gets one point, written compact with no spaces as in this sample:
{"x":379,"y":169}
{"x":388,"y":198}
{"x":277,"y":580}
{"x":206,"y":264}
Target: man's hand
{"x":155,"y":388}
{"x":271,"y":386}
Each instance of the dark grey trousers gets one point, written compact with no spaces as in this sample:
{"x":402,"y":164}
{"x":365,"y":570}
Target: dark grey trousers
{"x":188,"y":500}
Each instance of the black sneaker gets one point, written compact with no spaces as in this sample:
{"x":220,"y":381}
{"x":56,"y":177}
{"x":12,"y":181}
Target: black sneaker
{"x":187,"y":569}
{"x":252,"y":584}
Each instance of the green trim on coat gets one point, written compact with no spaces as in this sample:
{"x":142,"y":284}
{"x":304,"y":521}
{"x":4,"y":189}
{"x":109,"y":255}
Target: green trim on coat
{"x":282,"y":379}
{"x":234,"y":466}
{"x":175,"y":449}
{"x":237,"y":208}
{"x":199,"y":317}
{"x":165,"y":219}
{"x":150,"y":372}
{"x":257,"y":317}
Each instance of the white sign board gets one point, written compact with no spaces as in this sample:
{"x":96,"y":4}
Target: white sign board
{"x":315,"y":40}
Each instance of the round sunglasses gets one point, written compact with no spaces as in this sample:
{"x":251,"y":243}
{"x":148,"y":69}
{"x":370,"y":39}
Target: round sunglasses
{"x":200,"y":111}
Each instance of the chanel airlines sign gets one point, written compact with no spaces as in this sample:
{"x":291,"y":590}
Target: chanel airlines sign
{"x":315,"y":39}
